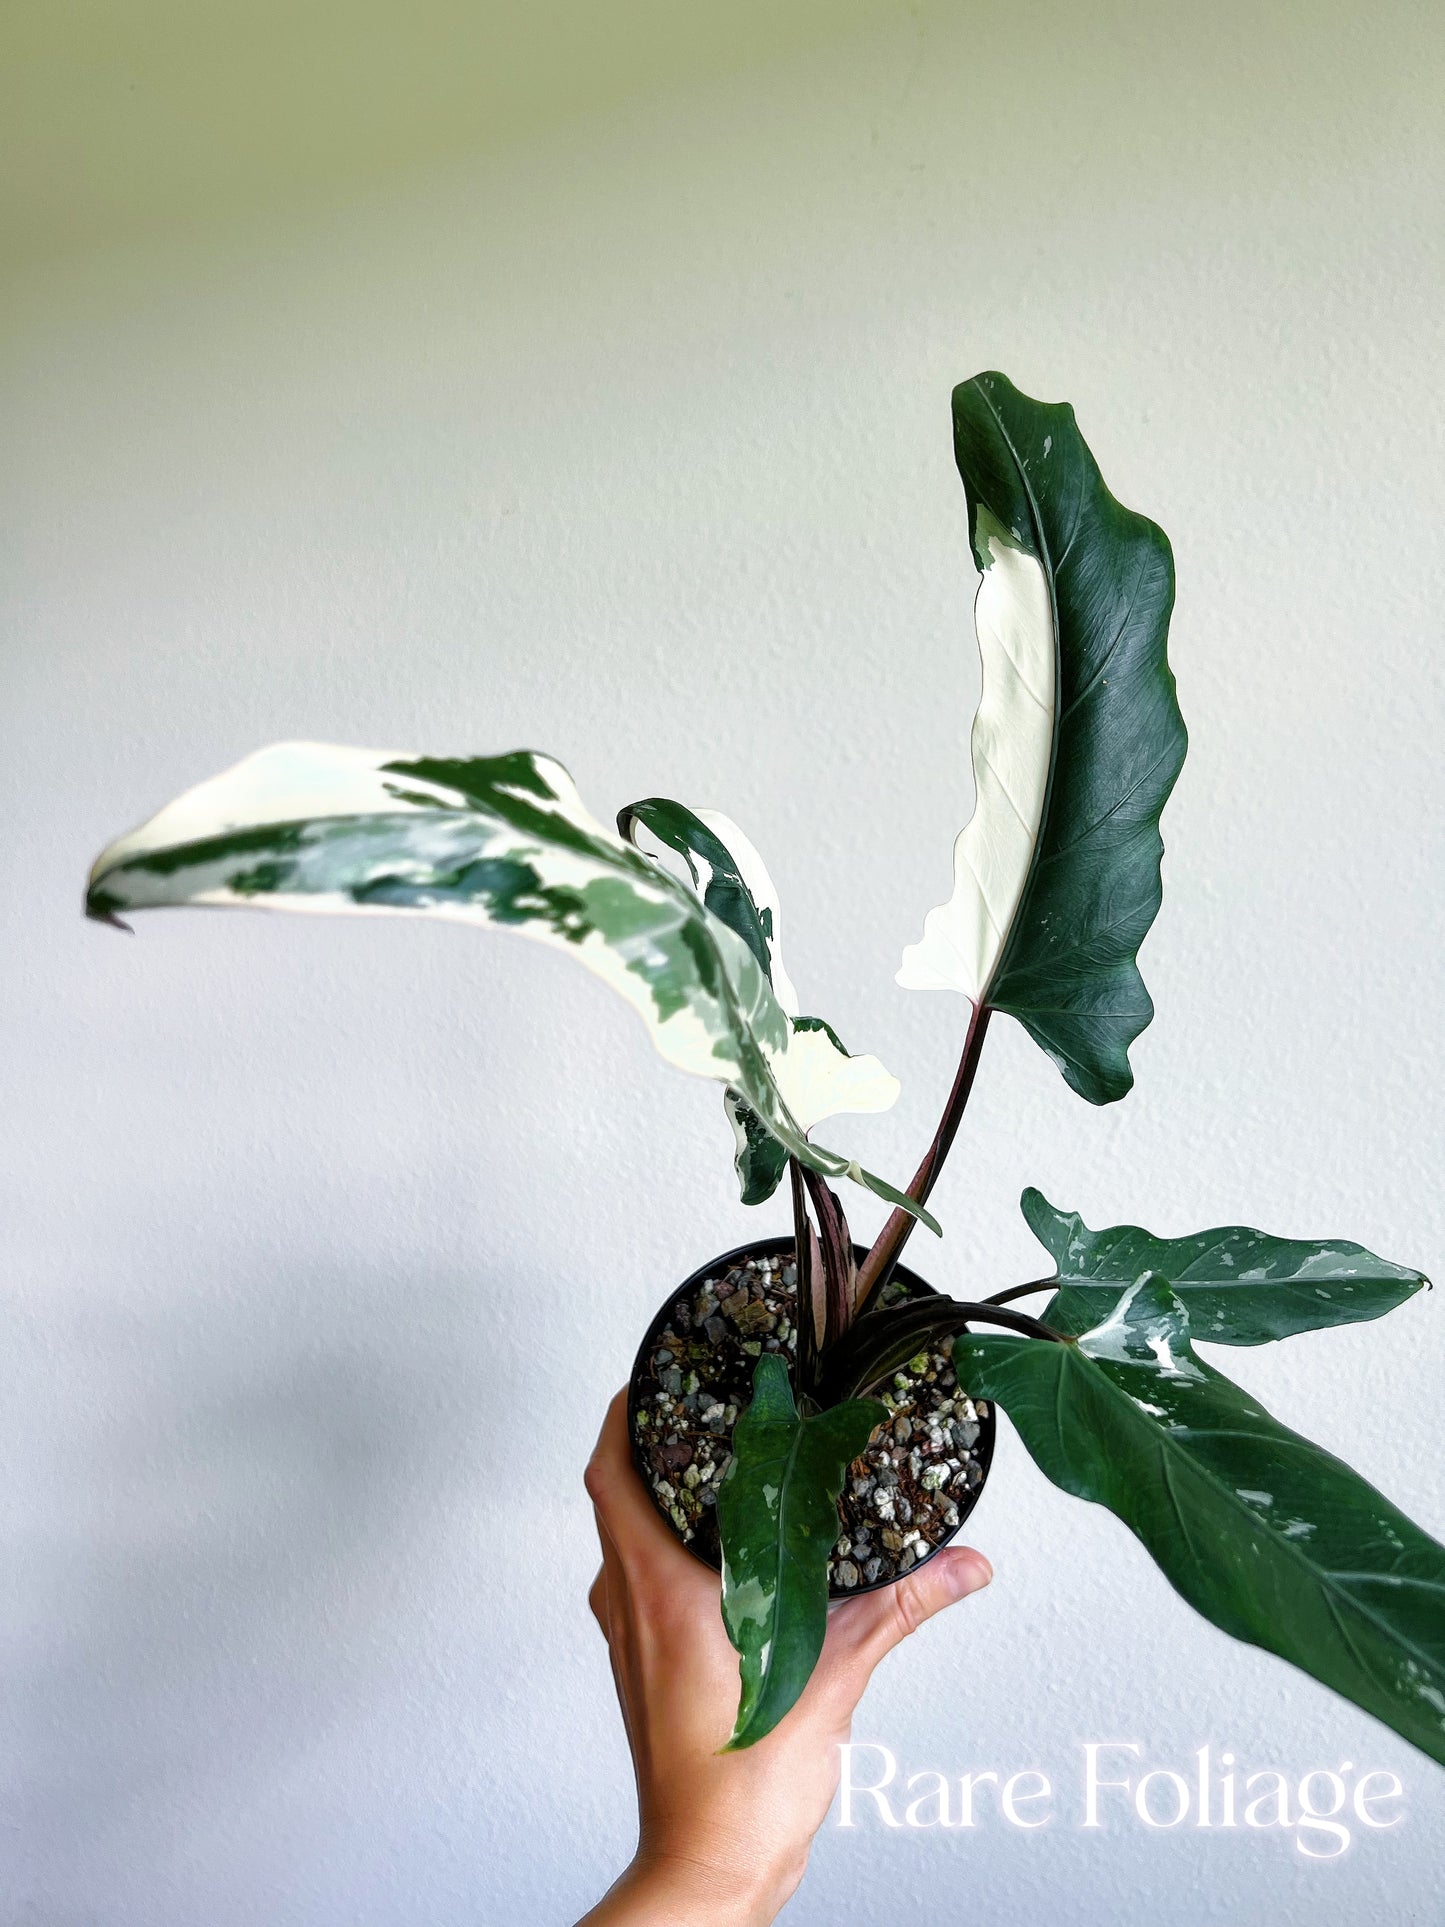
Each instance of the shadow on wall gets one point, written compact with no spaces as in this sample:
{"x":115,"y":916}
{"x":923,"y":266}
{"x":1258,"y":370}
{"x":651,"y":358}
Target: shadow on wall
{"x":250,"y":1519}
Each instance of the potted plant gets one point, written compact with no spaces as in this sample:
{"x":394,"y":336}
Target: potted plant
{"x":806,"y":1411}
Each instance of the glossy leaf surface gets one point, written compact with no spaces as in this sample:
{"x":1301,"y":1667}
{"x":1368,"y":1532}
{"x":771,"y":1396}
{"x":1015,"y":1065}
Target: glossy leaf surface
{"x":1239,"y":1286}
{"x":503,"y":841}
{"x":733,"y":881}
{"x":778,"y":1518}
{"x":1270,"y":1537}
{"x":1076,"y":743}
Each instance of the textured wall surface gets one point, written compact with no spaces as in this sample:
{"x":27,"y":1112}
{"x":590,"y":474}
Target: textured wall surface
{"x":629,"y":440}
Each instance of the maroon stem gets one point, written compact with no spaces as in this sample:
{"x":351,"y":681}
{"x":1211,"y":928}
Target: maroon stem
{"x":837,"y":1257}
{"x":806,"y":1257}
{"x":877,"y":1267}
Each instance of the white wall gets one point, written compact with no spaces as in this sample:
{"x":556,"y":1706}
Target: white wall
{"x":633,"y":444}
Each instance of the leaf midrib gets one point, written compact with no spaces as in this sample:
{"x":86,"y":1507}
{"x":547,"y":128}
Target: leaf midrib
{"x":1321,"y":1574}
{"x":1081,"y":1281}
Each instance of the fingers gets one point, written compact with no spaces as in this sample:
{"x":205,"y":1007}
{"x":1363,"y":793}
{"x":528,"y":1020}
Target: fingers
{"x":881,"y":1620}
{"x":609,"y":1590}
{"x":638,"y":1535}
{"x":636,"y":1544}
{"x":602,"y":1467}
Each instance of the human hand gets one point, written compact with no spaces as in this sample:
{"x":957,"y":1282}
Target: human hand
{"x":723,"y":1838}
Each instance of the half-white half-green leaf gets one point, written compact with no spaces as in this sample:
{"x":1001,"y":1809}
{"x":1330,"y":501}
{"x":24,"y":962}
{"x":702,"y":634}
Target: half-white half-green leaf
{"x":822,"y":1079}
{"x":1076,"y":744}
{"x":503,"y":841}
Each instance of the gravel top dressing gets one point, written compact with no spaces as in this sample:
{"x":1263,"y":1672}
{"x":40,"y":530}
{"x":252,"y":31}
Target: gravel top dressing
{"x":905,"y":1495}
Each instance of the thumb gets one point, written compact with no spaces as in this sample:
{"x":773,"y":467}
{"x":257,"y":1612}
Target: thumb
{"x":901,"y":1609}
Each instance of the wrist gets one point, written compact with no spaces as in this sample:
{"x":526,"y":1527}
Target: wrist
{"x":667,"y":1889}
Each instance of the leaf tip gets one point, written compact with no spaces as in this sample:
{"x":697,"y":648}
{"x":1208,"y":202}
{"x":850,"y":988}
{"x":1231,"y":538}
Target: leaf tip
{"x":101,"y":908}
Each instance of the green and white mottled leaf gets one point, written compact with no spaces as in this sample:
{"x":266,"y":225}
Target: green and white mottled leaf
{"x":1076,"y":744}
{"x":727,"y":873}
{"x":758,"y":1157}
{"x":1270,"y":1537}
{"x":777,"y":1520}
{"x":1239,"y":1286}
{"x":733,"y":881}
{"x":503,"y":841}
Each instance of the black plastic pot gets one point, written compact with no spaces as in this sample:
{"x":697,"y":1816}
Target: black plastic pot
{"x":642,"y":1381}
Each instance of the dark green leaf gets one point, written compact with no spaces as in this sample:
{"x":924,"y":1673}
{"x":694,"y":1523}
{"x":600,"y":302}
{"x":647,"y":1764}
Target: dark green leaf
{"x":778,"y":1518}
{"x":1270,"y":1537}
{"x":1240,"y":1287}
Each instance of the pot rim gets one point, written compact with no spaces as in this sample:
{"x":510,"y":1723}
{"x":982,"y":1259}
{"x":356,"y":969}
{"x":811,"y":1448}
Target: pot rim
{"x":772,"y":1247}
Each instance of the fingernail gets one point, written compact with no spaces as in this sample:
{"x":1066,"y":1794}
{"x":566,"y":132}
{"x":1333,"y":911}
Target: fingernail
{"x":968,"y":1571}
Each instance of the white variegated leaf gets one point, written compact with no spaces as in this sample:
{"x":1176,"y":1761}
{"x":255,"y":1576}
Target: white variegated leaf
{"x":1076,"y":744}
{"x":1011,"y":747}
{"x":727,"y":872}
{"x":503,"y":841}
{"x":818,"y":1077}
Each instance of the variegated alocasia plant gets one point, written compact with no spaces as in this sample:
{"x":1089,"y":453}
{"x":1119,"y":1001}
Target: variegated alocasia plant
{"x":1076,"y":744}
